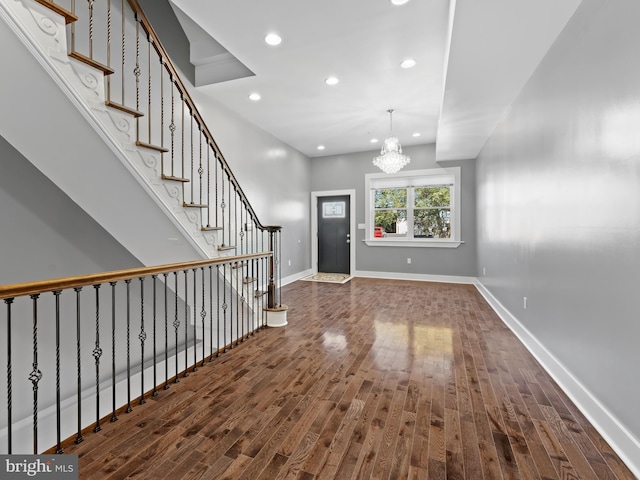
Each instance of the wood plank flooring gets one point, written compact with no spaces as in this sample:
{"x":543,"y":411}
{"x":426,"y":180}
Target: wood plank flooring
{"x":376,"y":379}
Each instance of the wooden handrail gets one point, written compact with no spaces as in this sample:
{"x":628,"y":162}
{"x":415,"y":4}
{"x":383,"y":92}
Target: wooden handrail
{"x":146,"y":25}
{"x":52,"y":285}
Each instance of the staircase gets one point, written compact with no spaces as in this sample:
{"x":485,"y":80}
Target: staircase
{"x":94,"y":102}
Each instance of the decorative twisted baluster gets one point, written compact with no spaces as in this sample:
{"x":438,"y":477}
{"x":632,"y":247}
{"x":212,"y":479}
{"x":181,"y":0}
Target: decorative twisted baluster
{"x":58,"y":430}
{"x":203,"y":315}
{"x":176,"y":324}
{"x":166,"y":332}
{"x":186,"y":324}
{"x":114,"y":416}
{"x":35,"y":374}
{"x":79,"y":437}
{"x":97,"y":353}
{"x":8,"y":302}
{"x":128,"y":284}
{"x":142,"y":336}
{"x":155,"y":359}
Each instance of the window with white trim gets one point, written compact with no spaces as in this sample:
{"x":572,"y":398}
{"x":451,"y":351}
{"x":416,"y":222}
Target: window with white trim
{"x":413,"y":208}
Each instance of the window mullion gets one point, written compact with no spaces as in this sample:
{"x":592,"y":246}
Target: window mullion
{"x":410,"y":216}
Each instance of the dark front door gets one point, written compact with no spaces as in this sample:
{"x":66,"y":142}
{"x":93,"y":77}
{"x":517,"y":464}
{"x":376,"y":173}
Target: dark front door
{"x":333,"y":234}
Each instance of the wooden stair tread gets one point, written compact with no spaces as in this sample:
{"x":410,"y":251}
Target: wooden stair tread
{"x":68,"y":16}
{"x":225,"y":247}
{"x":248,"y":280}
{"x":124,"y":108}
{"x":152,"y":147}
{"x":210,"y":229}
{"x":195,"y":205}
{"x":91,"y":62}
{"x":259,"y":293}
{"x":175,"y":179}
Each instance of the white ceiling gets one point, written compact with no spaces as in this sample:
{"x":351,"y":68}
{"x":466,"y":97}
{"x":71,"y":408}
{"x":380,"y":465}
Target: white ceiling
{"x":485,"y":50}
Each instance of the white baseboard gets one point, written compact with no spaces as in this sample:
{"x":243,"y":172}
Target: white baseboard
{"x":416,"y":276}
{"x":612,"y":430}
{"x":296,"y":276}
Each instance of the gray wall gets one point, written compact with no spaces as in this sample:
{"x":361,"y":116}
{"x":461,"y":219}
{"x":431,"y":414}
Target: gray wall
{"x":167,"y":27}
{"x":342,"y":172}
{"x":274,"y":176}
{"x":559,"y":204}
{"x":43,"y":233}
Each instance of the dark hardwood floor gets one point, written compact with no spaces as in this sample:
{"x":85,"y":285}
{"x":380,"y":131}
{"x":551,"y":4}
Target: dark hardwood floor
{"x":371,"y":379}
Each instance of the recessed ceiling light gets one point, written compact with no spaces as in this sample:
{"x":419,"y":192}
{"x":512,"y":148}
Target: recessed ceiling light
{"x":255,"y":97}
{"x":417,"y":134}
{"x":320,"y":147}
{"x":399,"y":2}
{"x":273,"y":39}
{"x":331,"y":80}
{"x":374,"y":140}
{"x":408,"y":63}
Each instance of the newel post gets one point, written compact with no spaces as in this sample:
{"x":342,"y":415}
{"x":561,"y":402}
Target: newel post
{"x":276,"y":311}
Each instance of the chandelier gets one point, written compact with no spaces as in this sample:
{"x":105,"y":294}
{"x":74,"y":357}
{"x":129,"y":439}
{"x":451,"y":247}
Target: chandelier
{"x":391,"y":159}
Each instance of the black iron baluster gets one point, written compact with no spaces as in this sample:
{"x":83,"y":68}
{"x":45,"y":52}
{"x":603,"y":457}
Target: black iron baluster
{"x":35,"y":374}
{"x":222,"y":204}
{"x":129,"y":408}
{"x":208,"y":184}
{"x":203,"y":315}
{"x":162,"y":73}
{"x":182,"y":142}
{"x":228,"y":265}
{"x":91,"y":2}
{"x":142,"y":336}
{"x":218,"y":310}
{"x":229,"y":203}
{"x":244,"y":300}
{"x":186,"y":323}
{"x":176,"y":325}
{"x":155,"y":358}
{"x":224,"y":310}
{"x":8,"y":302}
{"x":122,"y":72}
{"x":172,"y":126}
{"x":191,"y":171}
{"x":97,"y":353}
{"x":150,"y":116}
{"x":137,"y":72}
{"x":195,"y":323}
{"x":58,"y":409}
{"x":166,"y":332}
{"x":216,"y":176}
{"x":114,"y":416}
{"x":210,"y":313}
{"x":79,"y":437}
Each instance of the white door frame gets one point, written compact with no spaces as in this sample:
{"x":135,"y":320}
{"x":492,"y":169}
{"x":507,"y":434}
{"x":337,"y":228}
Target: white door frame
{"x":352,"y":227}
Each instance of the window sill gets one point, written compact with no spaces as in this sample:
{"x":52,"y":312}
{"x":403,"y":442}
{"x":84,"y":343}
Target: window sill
{"x":431,"y":243}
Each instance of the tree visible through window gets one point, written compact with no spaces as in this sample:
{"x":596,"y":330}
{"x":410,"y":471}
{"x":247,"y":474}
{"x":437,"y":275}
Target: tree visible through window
{"x":432,"y":212}
{"x":423,"y":211}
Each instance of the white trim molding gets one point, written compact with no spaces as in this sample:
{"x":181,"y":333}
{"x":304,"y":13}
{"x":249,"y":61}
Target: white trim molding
{"x":612,"y":430}
{"x":419,"y":277}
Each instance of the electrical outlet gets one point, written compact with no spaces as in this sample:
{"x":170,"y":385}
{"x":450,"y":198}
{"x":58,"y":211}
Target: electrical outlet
{"x":408,"y":260}
{"x":484,"y":271}
{"x":524,"y":302}
{"x":289,"y":262}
